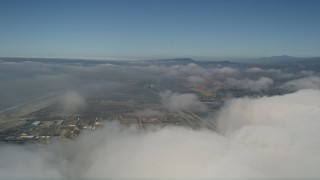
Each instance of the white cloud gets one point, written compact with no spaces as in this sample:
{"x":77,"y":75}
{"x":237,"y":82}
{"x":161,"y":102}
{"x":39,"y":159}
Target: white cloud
{"x":269,"y":137}
{"x":175,"y":101}
{"x":196,"y":79}
{"x":263,"y":83}
{"x":227,"y":71}
{"x":72,"y":102}
{"x":260,"y":70}
{"x":311,"y":82}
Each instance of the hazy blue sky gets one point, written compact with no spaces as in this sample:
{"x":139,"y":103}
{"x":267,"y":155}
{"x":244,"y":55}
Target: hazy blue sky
{"x":159,"y":28}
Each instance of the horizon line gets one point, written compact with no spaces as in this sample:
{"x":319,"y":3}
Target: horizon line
{"x":163,"y":58}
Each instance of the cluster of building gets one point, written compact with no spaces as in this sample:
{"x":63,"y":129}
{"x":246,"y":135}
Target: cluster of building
{"x":169,"y":119}
{"x":208,"y":89}
{"x":47,"y":131}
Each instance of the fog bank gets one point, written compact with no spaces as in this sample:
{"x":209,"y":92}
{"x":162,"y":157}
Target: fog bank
{"x":267,"y":137}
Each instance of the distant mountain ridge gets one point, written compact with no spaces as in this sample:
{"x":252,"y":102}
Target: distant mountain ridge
{"x":283,"y":58}
{"x":279,"y":59}
{"x":165,"y":62}
{"x":181,"y":61}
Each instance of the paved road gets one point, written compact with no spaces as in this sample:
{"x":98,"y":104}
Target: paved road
{"x":195,"y":121}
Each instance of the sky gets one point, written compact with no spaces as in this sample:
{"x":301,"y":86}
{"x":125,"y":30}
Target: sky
{"x":151,"y":29}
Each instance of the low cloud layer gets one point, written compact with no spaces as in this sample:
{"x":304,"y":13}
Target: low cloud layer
{"x":24,"y":81}
{"x":72,"y":102}
{"x":267,"y":137}
{"x":311,"y":82}
{"x":261,"y":84}
{"x":175,"y":102}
